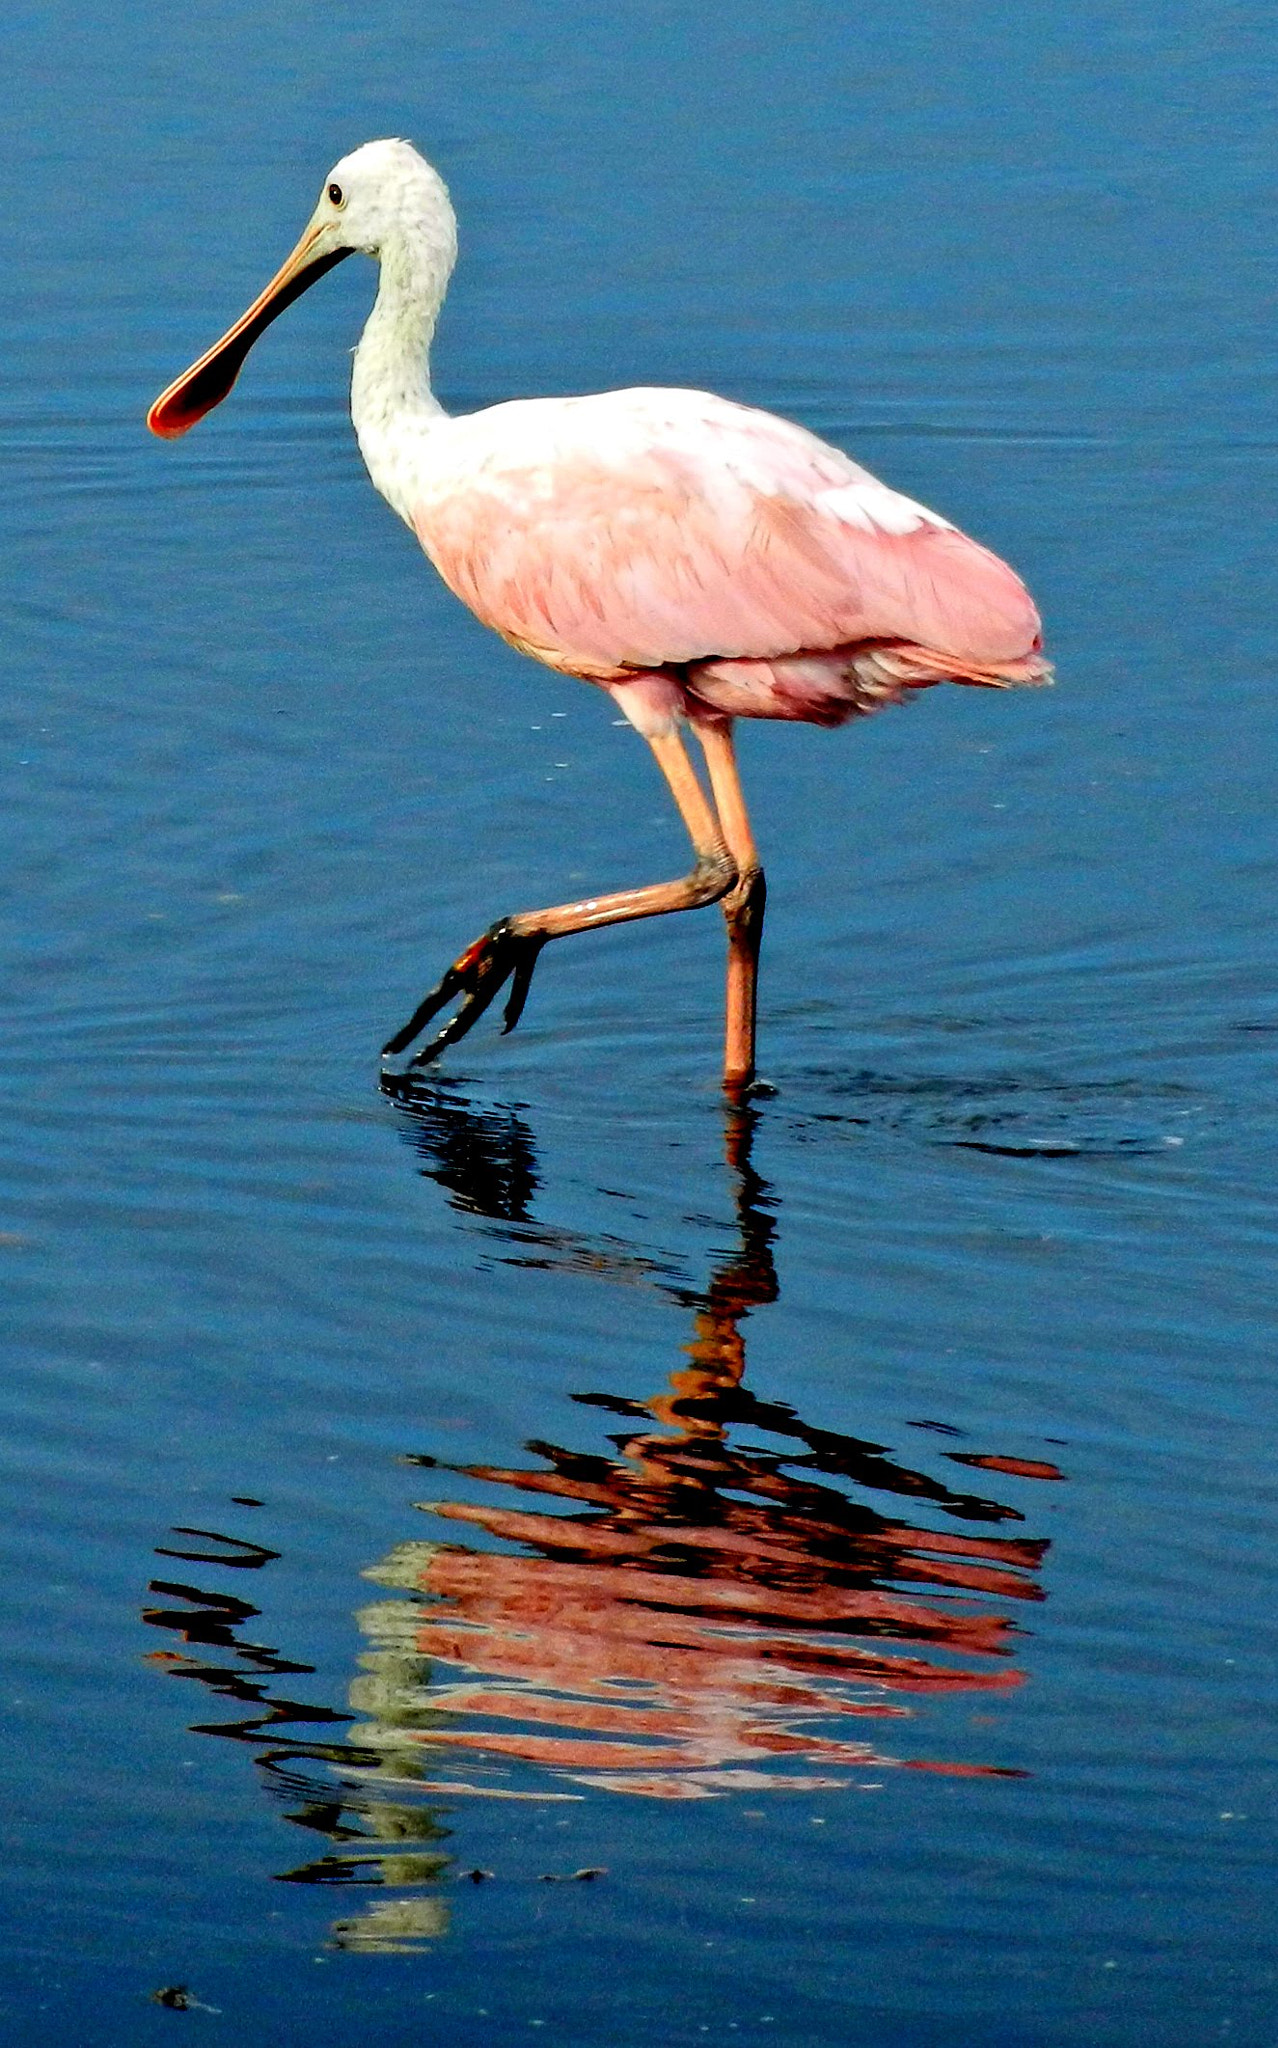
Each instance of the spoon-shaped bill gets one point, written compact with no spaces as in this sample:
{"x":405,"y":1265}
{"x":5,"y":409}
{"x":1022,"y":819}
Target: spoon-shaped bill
{"x":207,"y":382}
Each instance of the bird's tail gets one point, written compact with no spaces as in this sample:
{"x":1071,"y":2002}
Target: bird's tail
{"x":890,"y":666}
{"x":846,"y":682}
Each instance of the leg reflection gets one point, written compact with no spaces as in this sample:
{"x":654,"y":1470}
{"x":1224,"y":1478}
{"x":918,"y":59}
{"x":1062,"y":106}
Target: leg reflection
{"x":693,"y":1612}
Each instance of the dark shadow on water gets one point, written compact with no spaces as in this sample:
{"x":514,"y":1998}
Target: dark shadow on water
{"x":718,"y":1598}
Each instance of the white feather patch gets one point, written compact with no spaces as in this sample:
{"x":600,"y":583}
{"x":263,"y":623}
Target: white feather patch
{"x":877,"y":509}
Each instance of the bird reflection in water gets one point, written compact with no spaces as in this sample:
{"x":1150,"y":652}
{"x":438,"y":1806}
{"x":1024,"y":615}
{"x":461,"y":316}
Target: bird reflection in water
{"x":711,"y":1606}
{"x":318,"y":1780}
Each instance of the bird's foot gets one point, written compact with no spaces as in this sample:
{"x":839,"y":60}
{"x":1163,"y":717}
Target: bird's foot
{"x":502,"y":954}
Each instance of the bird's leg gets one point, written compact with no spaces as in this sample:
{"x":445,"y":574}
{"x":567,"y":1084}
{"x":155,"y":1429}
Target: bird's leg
{"x":743,"y":904}
{"x":509,"y":950}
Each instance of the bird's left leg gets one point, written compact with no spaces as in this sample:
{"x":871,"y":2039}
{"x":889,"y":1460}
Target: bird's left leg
{"x":743,"y":905}
{"x":509,"y":950}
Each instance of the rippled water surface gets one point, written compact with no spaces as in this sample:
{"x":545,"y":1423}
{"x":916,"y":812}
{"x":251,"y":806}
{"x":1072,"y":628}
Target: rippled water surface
{"x":536,"y":1556}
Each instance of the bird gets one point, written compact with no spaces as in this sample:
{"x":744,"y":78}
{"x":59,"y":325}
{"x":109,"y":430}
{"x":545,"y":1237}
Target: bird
{"x":699,"y":559}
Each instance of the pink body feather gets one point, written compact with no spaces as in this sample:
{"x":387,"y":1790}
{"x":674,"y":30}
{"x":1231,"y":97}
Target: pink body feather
{"x":719,"y":557}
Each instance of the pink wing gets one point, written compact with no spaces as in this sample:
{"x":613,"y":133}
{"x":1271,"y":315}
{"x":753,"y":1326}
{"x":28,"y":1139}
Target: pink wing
{"x":644,"y":529}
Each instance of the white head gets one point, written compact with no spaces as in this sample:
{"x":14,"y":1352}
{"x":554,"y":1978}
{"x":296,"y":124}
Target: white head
{"x":384,"y":200}
{"x":381,"y":193}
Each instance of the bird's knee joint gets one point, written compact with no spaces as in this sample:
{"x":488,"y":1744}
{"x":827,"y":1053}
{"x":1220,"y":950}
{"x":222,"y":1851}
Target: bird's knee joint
{"x":714,"y":875}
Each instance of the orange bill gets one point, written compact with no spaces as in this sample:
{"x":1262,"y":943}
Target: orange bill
{"x":207,"y":382}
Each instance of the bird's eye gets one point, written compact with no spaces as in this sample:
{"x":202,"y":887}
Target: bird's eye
{"x":336,"y":195}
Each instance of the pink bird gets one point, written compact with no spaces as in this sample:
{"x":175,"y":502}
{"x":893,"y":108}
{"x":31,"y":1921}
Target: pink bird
{"x":700,"y":560}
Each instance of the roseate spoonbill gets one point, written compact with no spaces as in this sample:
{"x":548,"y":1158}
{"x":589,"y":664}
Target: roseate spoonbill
{"x":700,"y":560}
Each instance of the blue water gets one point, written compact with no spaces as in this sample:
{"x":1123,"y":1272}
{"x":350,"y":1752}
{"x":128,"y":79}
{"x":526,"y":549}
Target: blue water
{"x":847,"y":1527}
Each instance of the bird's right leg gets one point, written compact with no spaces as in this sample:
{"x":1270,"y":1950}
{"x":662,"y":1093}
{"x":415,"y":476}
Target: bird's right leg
{"x":743,"y":904}
{"x":508,"y":951}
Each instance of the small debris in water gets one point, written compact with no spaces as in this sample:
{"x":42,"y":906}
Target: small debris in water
{"x":179,"y":1998}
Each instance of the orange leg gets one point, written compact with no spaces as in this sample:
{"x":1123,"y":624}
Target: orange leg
{"x":510,"y":949}
{"x":743,"y":905}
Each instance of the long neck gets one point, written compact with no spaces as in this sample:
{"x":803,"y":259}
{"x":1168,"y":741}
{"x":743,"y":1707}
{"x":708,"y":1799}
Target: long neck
{"x":392,"y":404}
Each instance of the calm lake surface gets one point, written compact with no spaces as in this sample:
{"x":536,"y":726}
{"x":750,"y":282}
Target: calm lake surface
{"x":849,"y":1528}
